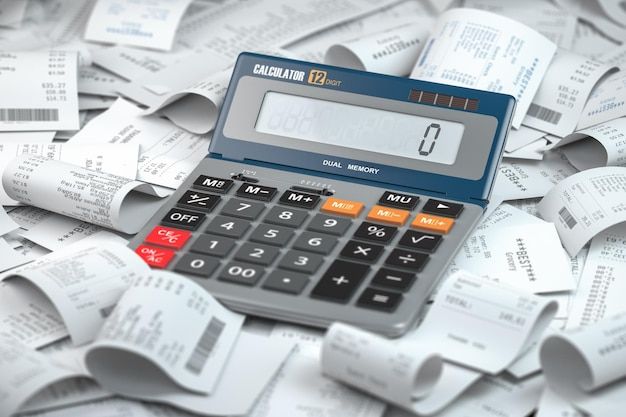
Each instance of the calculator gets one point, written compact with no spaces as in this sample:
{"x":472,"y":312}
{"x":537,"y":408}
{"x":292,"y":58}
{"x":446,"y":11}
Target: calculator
{"x":330,"y":194}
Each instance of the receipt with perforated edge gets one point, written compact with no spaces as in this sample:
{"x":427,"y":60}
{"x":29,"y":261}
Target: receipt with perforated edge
{"x":583,"y":205}
{"x":38,"y":91}
{"x":587,"y":366}
{"x":477,"y":49}
{"x":597,"y":146}
{"x":107,"y":200}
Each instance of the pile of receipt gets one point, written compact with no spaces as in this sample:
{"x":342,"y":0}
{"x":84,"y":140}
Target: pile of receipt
{"x":106,"y":106}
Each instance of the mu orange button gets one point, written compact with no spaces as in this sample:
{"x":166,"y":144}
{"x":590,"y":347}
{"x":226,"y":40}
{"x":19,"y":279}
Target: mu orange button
{"x":433,"y":223}
{"x":388,"y":215}
{"x":344,"y":207}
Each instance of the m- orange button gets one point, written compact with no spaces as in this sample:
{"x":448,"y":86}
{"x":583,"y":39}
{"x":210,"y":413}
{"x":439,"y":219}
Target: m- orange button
{"x":344,"y":207}
{"x":388,"y":215}
{"x":433,"y":223}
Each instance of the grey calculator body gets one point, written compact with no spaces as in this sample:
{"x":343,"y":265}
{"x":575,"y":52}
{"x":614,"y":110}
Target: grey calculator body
{"x":267,"y":223}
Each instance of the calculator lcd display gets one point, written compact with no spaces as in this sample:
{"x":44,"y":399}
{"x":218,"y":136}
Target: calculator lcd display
{"x":366,"y":128}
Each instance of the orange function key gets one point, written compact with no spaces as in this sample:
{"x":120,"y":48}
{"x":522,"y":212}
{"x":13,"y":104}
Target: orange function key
{"x":389,"y":215}
{"x":344,"y":207}
{"x":433,"y":223}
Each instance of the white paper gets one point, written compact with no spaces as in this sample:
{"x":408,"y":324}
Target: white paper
{"x":606,"y":102}
{"x":97,"y":81}
{"x":551,"y":405}
{"x":587,"y":366}
{"x":403,"y":372}
{"x":398,"y":372}
{"x":24,"y":373}
{"x":146,"y":23}
{"x":583,"y":205}
{"x":195,"y":108}
{"x":534,"y":151}
{"x":597,"y":146}
{"x":500,"y":396}
{"x":104,"y":199}
{"x":590,"y":42}
{"x":9,"y":258}
{"x":563,"y":92}
{"x":545,"y":17}
{"x":83,"y":282}
{"x":392,"y":51}
{"x":300,"y":390}
{"x":599,"y":292}
{"x":38,"y":91}
{"x":145,"y":329}
{"x":529,"y":257}
{"x":118,"y":160}
{"x":591,"y":12}
{"x":481,"y":324}
{"x":210,"y":42}
{"x":477,"y":49}
{"x":314,"y":47}
{"x":57,"y":231}
{"x":12,"y":12}
{"x":29,"y":316}
{"x":167,"y":154}
{"x":523,"y":136}
{"x":529,"y":179}
{"x":26,"y":137}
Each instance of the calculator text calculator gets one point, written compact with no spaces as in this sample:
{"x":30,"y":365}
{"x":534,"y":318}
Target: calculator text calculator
{"x":330,"y":194}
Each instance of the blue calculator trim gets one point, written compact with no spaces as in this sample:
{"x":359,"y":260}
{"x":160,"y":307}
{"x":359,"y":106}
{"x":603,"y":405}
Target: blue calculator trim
{"x":500,"y":106}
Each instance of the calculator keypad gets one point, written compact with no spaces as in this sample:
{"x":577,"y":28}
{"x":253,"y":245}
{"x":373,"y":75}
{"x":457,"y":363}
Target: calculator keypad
{"x":294,"y":243}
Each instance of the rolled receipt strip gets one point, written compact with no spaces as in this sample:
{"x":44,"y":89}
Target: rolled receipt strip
{"x":397,"y":372}
{"x":476,"y":326}
{"x":107,"y":200}
{"x":393,"y":51}
{"x":587,"y":366}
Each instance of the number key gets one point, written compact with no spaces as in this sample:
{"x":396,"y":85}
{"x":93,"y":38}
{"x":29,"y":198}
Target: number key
{"x":328,"y":224}
{"x":197,"y":265}
{"x":213,"y":245}
{"x":228,"y":226}
{"x":255,"y":253}
{"x":245,"y":209}
{"x":241,"y":273}
{"x":285,"y":216}
{"x":301,"y":261}
{"x":271,"y":235}
{"x":314,"y":242}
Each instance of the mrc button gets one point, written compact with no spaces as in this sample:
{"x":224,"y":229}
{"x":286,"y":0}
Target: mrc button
{"x":183,"y":219}
{"x":219,"y":185}
{"x":402,"y":201}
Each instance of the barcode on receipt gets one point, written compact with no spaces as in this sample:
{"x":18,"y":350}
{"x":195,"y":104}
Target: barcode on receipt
{"x":544,"y":113}
{"x":567,"y":217}
{"x":29,"y":115}
{"x":205,"y":346}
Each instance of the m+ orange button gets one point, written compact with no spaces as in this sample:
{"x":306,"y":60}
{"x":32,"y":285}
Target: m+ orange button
{"x":343,"y":207}
{"x":433,"y":223}
{"x":388,"y":215}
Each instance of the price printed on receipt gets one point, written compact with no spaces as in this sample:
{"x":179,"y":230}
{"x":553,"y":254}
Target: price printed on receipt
{"x":330,"y":194}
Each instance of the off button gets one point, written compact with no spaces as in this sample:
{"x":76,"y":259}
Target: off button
{"x":183,"y":219}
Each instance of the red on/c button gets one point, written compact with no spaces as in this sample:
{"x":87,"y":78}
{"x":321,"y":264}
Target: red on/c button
{"x":154,"y":256}
{"x":169,"y":237}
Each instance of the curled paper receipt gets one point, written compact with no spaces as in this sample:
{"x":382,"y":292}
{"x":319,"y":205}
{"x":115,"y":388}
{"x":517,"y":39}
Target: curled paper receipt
{"x":587,"y":366}
{"x":104,"y":199}
{"x":476,"y":326}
